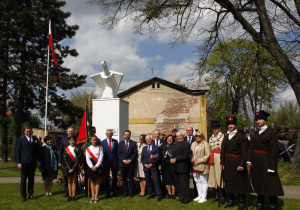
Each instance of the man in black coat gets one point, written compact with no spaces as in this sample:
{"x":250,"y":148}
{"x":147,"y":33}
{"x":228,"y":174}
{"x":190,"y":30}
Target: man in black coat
{"x":27,"y":154}
{"x":63,"y":144}
{"x":181,"y":161}
{"x":234,"y":164}
{"x":127,"y":153}
{"x":263,"y":160}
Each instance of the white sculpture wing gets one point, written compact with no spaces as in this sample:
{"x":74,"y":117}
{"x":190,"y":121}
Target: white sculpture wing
{"x":118,"y":78}
{"x":99,"y":80}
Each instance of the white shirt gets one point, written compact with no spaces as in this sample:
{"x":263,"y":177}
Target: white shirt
{"x":97,"y":152}
{"x":29,"y":138}
{"x":72,"y":151}
{"x":262,"y":129}
{"x":231,"y":134}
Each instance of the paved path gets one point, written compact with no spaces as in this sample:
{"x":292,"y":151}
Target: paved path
{"x":289,"y":191}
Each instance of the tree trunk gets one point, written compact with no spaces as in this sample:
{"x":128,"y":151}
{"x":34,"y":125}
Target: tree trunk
{"x":296,"y":161}
{"x":4,"y":120}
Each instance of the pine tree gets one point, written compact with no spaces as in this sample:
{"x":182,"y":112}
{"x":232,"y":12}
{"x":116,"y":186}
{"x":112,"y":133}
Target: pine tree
{"x":23,"y":48}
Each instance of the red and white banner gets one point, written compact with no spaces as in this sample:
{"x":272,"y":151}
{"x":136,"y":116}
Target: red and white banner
{"x":50,"y":44}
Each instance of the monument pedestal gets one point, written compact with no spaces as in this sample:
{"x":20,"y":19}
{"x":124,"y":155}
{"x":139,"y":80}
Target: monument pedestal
{"x":110,"y":114}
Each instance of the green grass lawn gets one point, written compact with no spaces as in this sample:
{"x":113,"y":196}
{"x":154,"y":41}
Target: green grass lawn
{"x":287,"y":178}
{"x":11,"y":199}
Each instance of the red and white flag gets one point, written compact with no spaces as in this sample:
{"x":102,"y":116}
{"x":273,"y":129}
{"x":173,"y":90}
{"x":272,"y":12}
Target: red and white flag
{"x":50,"y":44}
{"x":153,"y":157}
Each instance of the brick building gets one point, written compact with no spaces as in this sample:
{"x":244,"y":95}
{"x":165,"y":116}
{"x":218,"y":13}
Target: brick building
{"x":160,"y":104}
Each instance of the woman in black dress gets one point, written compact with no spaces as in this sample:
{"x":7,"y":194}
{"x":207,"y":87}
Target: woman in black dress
{"x":48,"y":164}
{"x":72,"y":158}
{"x":94,"y":158}
{"x":167,"y":167}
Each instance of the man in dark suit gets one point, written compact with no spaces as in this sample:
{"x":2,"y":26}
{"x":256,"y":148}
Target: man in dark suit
{"x":190,"y":138}
{"x":181,"y":161}
{"x":27,"y":154}
{"x":150,"y":159}
{"x":63,"y":144}
{"x":110,"y":162}
{"x":156,"y":139}
{"x":127,"y":153}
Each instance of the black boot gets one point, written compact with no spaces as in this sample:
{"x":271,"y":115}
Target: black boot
{"x":229,"y":204}
{"x":260,"y":202}
{"x":217,"y":196}
{"x":273,"y":202}
{"x":242,"y":205}
{"x":230,"y":201}
{"x":223,"y":196}
{"x":259,"y":206}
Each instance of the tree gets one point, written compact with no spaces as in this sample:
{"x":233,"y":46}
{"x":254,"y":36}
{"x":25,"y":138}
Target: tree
{"x":78,"y":99}
{"x":242,"y":63}
{"x":273,"y":24}
{"x":287,"y":115}
{"x":23,"y":50}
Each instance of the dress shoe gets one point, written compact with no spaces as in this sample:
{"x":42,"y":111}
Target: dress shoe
{"x":151,"y":196}
{"x":69,"y":199}
{"x":159,"y":199}
{"x":23,"y":199}
{"x":169,"y":196}
{"x":229,"y":204}
{"x":74,"y":199}
{"x":32,"y":198}
{"x":174,"y":197}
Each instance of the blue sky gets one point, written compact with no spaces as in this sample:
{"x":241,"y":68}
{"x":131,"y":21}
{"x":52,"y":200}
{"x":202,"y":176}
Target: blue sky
{"x":125,"y":52}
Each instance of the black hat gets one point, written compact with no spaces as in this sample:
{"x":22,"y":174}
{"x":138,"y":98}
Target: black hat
{"x":215,"y":124}
{"x":231,"y":120}
{"x":261,"y":115}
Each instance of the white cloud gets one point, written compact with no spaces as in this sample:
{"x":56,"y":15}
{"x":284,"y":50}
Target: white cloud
{"x":287,"y":95}
{"x":181,"y":70}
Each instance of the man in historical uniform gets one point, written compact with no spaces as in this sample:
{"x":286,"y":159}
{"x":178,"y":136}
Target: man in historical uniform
{"x":234,"y":165}
{"x":215,"y":143}
{"x":263,"y":160}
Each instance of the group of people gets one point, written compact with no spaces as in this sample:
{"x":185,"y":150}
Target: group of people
{"x":162,"y":165}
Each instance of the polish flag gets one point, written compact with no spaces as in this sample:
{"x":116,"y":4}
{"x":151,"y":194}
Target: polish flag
{"x":50,"y":44}
{"x":153,"y":157}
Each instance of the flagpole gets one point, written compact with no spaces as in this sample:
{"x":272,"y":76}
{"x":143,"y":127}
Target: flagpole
{"x":46,"y":99}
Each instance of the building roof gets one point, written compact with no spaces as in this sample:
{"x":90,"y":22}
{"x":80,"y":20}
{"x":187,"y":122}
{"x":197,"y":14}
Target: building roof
{"x":196,"y":92}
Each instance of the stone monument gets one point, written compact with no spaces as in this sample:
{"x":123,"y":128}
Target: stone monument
{"x":109,"y":112}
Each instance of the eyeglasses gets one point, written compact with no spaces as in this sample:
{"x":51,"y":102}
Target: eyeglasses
{"x":199,"y":136}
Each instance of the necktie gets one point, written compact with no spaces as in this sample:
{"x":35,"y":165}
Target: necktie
{"x":110,"y":144}
{"x":126,"y":145}
{"x":29,"y":139}
{"x":148,"y":149}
